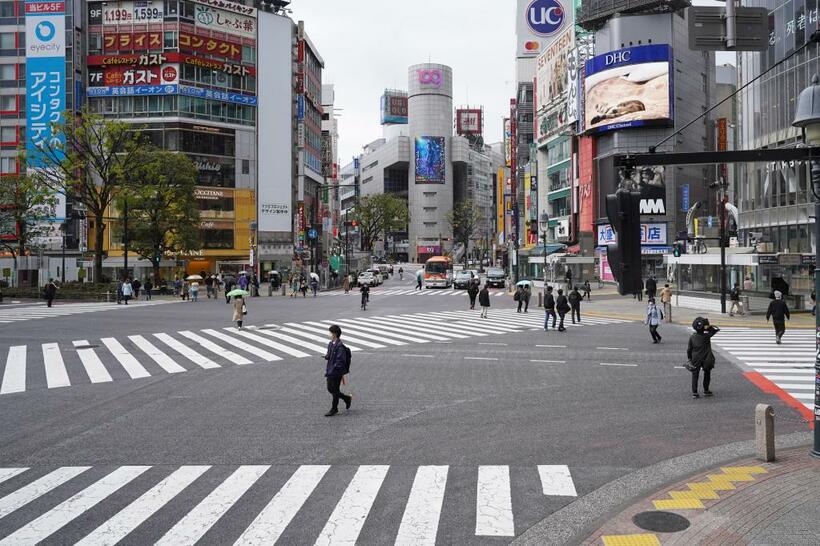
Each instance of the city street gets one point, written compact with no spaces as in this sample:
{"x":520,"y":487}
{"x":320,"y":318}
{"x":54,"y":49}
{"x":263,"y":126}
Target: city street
{"x":160,"y":422}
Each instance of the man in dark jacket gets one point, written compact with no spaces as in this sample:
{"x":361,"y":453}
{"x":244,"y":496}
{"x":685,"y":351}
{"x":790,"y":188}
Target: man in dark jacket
{"x":148,"y":286}
{"x":549,"y":309}
{"x":639,"y":294}
{"x":472,"y":292}
{"x":136,"y":285}
{"x":50,"y":291}
{"x":778,"y":311}
{"x":699,"y":352}
{"x":337,"y":367}
{"x":734,"y":297}
{"x":484,"y":301}
{"x":562,"y":306}
{"x":651,"y":287}
{"x":575,"y":298}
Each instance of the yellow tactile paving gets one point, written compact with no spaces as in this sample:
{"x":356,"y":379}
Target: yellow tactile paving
{"x":707,"y":490}
{"x":703,"y":494}
{"x":678,"y":504}
{"x":631,"y":540}
{"x":743,"y":470}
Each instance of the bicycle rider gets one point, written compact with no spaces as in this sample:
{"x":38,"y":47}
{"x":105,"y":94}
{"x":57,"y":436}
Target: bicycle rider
{"x":365,"y":290}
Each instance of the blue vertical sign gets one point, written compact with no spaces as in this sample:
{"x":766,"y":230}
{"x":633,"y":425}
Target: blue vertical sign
{"x":684,"y":197}
{"x":45,"y":76}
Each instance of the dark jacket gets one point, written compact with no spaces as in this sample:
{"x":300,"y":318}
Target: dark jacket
{"x":525,"y":294}
{"x":472,"y":290}
{"x":699,"y":350}
{"x":734,"y":294}
{"x":484,"y":298}
{"x":549,"y":302}
{"x":575,"y":299}
{"x":336,"y":359}
{"x":561,"y":304}
{"x":50,"y":290}
{"x":651,"y":286}
{"x":778,"y":311}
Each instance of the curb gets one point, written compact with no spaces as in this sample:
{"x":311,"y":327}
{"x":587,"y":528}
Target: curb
{"x":576,"y":521}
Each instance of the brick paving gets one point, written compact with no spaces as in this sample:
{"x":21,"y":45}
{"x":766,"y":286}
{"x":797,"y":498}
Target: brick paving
{"x":778,"y":507}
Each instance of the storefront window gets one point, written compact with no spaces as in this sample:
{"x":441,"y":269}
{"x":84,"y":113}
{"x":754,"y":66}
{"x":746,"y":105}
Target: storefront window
{"x":216,"y":238}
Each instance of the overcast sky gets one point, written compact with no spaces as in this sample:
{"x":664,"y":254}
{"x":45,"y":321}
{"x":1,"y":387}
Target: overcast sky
{"x":367,"y":46}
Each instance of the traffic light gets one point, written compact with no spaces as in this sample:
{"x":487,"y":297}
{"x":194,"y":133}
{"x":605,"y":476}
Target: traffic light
{"x":354,"y":223}
{"x":676,"y":250}
{"x":624,"y":256}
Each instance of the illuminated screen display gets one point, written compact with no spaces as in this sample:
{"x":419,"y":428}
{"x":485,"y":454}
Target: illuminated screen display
{"x":430,"y":160}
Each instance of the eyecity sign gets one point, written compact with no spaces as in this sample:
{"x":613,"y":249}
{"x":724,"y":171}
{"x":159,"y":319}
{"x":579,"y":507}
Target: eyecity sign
{"x":545,"y":17}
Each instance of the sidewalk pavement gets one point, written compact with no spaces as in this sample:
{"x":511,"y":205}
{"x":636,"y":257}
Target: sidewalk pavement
{"x":746,"y":502}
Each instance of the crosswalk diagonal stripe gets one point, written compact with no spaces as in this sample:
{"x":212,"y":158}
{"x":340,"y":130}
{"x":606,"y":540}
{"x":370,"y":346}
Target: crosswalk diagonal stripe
{"x":14,"y":376}
{"x":214,"y":348}
{"x":91,"y":362}
{"x":501,"y":321}
{"x":428,"y":325}
{"x":386,"y":327}
{"x":307,"y":335}
{"x":268,"y":343}
{"x":248,"y":348}
{"x":9,"y":473}
{"x":55,"y":519}
{"x":347,"y":519}
{"x":56,"y":374}
{"x":494,"y":516}
{"x":556,"y":480}
{"x":417,"y":328}
{"x":130,"y":517}
{"x":270,"y":523}
{"x":419,"y":524}
{"x":38,"y":488}
{"x":130,"y":364}
{"x":163,"y":360}
{"x":299,"y":342}
{"x":381,"y":330}
{"x":198,"y":521}
{"x":362,"y":333}
{"x":487,"y":325}
{"x":201,"y":361}
{"x":323,"y":330}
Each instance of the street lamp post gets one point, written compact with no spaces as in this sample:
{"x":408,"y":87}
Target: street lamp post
{"x":807,"y":117}
{"x":544,"y":223}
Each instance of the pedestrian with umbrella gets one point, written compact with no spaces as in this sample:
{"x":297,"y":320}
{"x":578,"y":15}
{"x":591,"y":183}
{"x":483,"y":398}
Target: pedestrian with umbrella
{"x":314,"y":283}
{"x":778,"y":311}
{"x":240,"y":308}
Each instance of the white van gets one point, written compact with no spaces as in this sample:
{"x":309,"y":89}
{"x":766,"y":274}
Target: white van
{"x":384,"y":269}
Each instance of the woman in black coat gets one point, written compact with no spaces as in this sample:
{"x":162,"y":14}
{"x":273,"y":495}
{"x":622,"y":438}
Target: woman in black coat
{"x":700,"y":355}
{"x":472,"y":292}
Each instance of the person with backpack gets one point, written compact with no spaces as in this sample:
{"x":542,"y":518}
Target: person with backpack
{"x":700,"y":355}
{"x":549,"y":309}
{"x":778,"y":311}
{"x":338,"y":365}
{"x":734,"y":297}
{"x":562,"y":306}
{"x":654,"y":316}
{"x":575,"y":299}
{"x":484,"y":301}
{"x":50,"y":292}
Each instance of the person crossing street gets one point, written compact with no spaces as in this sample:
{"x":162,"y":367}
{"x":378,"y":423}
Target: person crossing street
{"x":549,"y":309}
{"x":700,"y":355}
{"x":654,"y":316}
{"x":484,"y":301}
{"x":338,"y":366}
{"x":419,"y":278}
{"x":365,"y":290}
{"x":666,"y":301}
{"x":50,"y":292}
{"x":575,"y":299}
{"x":472,"y":292}
{"x":734,"y":297}
{"x":778,"y":311}
{"x":562,"y":306}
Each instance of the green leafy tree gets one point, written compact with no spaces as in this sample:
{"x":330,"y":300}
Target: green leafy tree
{"x":464,"y":219}
{"x":26,"y":206}
{"x":378,"y":215}
{"x":163,"y":216}
{"x":99,"y":155}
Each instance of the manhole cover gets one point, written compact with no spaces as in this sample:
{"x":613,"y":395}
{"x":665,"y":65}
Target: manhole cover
{"x":660,"y":522}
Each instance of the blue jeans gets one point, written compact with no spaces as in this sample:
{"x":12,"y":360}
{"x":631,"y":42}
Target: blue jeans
{"x":547,"y":315}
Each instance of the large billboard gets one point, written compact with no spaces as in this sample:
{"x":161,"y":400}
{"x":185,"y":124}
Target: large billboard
{"x":469,"y":121}
{"x":507,"y":141}
{"x":226,"y":17}
{"x":630,"y":87}
{"x":394,"y":107}
{"x":538,"y":22}
{"x":430,"y":160}
{"x":551,"y":68}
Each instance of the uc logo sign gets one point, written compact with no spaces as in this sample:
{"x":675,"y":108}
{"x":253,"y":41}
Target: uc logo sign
{"x":45,"y":31}
{"x":545,"y":17}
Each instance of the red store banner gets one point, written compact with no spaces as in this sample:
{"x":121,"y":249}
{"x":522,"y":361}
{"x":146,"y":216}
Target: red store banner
{"x":132,"y":41}
{"x":158,"y":59}
{"x":188,"y":41}
{"x":133,"y":75}
{"x":210,"y":46}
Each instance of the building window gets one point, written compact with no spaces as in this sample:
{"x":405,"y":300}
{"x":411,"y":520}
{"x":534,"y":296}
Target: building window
{"x":8,"y":72}
{"x":170,"y":40}
{"x":246,"y":166}
{"x":7,"y":40}
{"x":8,"y":134}
{"x":8,"y":165}
{"x":216,"y":238}
{"x":6,"y":9}
{"x":8,"y":103}
{"x":95,"y":43}
{"x":249,"y":54}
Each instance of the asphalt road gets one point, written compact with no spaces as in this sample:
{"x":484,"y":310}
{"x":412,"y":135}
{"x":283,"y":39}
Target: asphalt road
{"x":457,"y":440}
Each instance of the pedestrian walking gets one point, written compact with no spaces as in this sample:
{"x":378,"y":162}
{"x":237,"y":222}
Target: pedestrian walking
{"x":209,"y":287}
{"x":639,"y":294}
{"x":484,"y":301}
{"x":587,"y":290}
{"x":240,"y":309}
{"x":700,"y":355}
{"x":575,"y":299}
{"x":813,"y":297}
{"x":346,"y":284}
{"x":303,"y":287}
{"x":365,"y":290}
{"x":50,"y":292}
{"x":119,"y":292}
{"x":127,"y":290}
{"x":568,"y":277}
{"x":549,"y":309}
{"x":186,"y":290}
{"x":527,"y":295}
{"x":229,"y":285}
{"x":194,"y":291}
{"x":651,"y":287}
{"x":177,"y":286}
{"x":562,"y":307}
{"x":148,"y":287}
{"x":748,"y":285}
{"x":243,"y":281}
{"x":419,"y":278}
{"x":519,"y":296}
{"x":778,"y":311}
{"x":294,"y":286}
{"x":734,"y":297}
{"x":136,"y":285}
{"x":472,"y":292}
{"x":314,"y":286}
{"x":654,"y":316}
{"x":215,"y":286}
{"x":666,"y":301}
{"x":338,"y":366}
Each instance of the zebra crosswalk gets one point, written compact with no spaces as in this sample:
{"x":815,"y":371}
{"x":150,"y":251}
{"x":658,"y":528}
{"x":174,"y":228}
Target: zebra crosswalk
{"x":181,"y":505}
{"x":415,"y":292}
{"x":41,"y":311}
{"x":108,"y":359}
{"x":789,"y":365}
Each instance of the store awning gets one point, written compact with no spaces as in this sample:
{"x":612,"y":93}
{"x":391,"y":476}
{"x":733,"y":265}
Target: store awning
{"x":558,"y":195}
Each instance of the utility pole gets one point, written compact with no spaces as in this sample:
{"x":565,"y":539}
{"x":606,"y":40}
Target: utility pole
{"x":125,"y":236}
{"x":722,"y":235}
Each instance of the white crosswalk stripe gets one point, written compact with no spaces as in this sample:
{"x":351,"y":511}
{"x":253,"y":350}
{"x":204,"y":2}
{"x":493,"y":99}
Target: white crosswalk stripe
{"x":141,"y":355}
{"x":41,"y":311}
{"x":85,"y":503}
{"x":442,"y":293}
{"x":789,"y":365}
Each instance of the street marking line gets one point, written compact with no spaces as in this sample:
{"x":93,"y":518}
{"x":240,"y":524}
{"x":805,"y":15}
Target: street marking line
{"x":9,"y":473}
{"x":551,"y":346}
{"x":419,"y":524}
{"x":500,"y":344}
{"x":479,"y":358}
{"x":65,"y":512}
{"x":130,"y":364}
{"x":187,"y":352}
{"x":300,"y":342}
{"x":361,"y":333}
{"x":269,"y":343}
{"x":549,"y":361}
{"x":198,"y":521}
{"x":427,"y":325}
{"x":556,"y":480}
{"x":644,"y":539}
{"x":323,"y":330}
{"x":355,"y":327}
{"x":164,"y":361}
{"x":14,"y":376}
{"x":493,"y":510}
{"x":272,"y":520}
{"x":419,"y":356}
{"x":367,"y":321}
{"x":56,"y":374}
{"x":617,"y":364}
{"x":261,"y":353}
{"x":38,"y":488}
{"x":130,"y":517}
{"x":313,"y":337}
{"x":237,"y":359}
{"x":347,"y":519}
{"x":612,"y":348}
{"x":91,"y":362}
{"x":417,"y":329}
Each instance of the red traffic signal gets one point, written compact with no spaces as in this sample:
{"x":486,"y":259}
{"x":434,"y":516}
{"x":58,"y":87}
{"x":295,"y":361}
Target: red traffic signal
{"x":354,"y":223}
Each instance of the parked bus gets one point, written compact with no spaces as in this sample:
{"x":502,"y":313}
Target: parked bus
{"x":438,"y":272}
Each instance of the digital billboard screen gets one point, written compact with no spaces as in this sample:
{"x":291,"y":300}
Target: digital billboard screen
{"x":430,"y":160}
{"x":629,"y":87}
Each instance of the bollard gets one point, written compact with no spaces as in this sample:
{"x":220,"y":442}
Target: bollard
{"x":764,"y":432}
{"x":540,"y":299}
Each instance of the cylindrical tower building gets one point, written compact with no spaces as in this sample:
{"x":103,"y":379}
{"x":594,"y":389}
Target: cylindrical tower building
{"x":430,"y":180}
